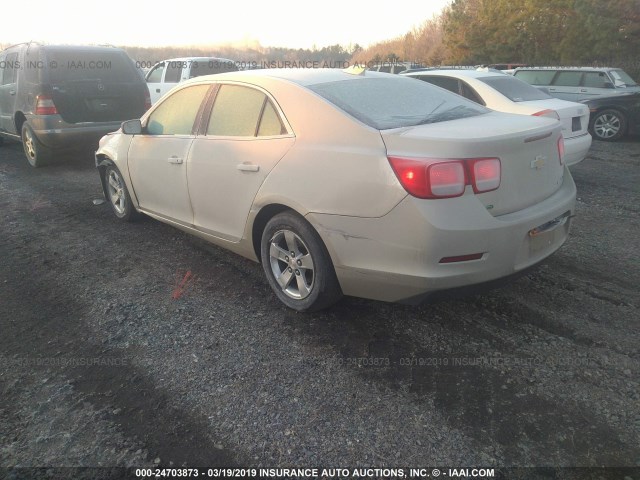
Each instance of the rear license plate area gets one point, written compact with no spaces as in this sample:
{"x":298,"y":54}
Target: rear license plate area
{"x":576,"y":124}
{"x":543,"y":236}
{"x":101,"y":104}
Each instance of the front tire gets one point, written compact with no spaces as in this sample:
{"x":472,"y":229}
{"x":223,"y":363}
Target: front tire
{"x":297,"y":264}
{"x":118,"y":195}
{"x":37,"y":154}
{"x":608,"y":125}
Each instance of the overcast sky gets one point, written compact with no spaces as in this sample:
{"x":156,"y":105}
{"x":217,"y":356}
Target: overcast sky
{"x":286,"y":23}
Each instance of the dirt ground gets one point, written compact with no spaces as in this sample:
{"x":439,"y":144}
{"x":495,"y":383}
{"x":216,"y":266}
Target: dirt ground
{"x":137,"y":345}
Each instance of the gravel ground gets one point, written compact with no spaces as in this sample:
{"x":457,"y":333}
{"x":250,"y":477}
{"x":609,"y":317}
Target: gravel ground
{"x":137,"y":345}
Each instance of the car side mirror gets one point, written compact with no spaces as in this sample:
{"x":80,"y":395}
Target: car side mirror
{"x":132,"y":127}
{"x":545,"y":90}
{"x":608,"y":85}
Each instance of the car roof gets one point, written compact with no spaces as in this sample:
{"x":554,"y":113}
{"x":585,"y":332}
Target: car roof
{"x":578,"y":69}
{"x":67,"y":47}
{"x":301,"y":76}
{"x":194,"y":59}
{"x":458,"y":73}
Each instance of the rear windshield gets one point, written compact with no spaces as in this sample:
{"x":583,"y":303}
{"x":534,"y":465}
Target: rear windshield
{"x":514,"y":89}
{"x":394,"y":102}
{"x":211,"y":66}
{"x":75,"y":65}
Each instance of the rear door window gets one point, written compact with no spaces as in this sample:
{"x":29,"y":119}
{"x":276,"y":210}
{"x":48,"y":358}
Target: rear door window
{"x":595,"y":80}
{"x":237,"y":112}
{"x":536,"y":77}
{"x":568,"y":79}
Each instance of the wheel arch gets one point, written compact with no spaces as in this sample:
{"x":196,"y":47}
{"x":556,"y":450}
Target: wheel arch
{"x":19,"y":119}
{"x":265,"y":214}
{"x":102,"y":162}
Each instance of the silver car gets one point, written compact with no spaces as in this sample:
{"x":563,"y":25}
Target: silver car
{"x":346,"y":182}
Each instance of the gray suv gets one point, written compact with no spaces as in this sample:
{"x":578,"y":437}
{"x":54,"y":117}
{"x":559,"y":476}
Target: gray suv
{"x":58,"y":98}
{"x":578,"y":83}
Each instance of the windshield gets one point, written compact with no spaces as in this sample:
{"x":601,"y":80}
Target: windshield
{"x":393,"y":102}
{"x":514,"y":89}
{"x":623,"y":77}
{"x":76,"y":65}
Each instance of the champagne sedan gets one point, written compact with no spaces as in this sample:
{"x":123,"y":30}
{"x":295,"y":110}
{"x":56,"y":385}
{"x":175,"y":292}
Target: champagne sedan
{"x":346,"y":182}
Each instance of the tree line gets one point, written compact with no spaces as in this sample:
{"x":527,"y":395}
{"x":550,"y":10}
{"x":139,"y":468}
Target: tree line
{"x":535,"y":32}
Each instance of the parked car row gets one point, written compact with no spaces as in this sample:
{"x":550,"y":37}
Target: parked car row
{"x":340,"y":182}
{"x":577,"y":83}
{"x":612,"y":96}
{"x":508,"y":94}
{"x":599,"y":88}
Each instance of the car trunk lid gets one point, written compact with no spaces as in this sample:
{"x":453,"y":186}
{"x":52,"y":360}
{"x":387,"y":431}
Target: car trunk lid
{"x":526,"y":146}
{"x":574,"y":117}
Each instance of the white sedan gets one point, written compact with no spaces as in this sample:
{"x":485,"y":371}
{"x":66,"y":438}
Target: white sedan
{"x":346,"y":182}
{"x":508,"y":94}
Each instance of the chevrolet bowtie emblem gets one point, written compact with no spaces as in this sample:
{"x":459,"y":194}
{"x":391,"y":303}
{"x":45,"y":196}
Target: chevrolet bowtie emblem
{"x":539,"y":162}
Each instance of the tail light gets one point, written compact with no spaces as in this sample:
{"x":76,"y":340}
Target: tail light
{"x":485,"y":174}
{"x":445,"y":178}
{"x":45,"y":105}
{"x":147,"y":99}
{"x":547,"y":113}
{"x":561,"y":150}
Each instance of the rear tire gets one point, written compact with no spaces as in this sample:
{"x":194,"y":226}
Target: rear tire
{"x":37,"y":154}
{"x":297,"y":264}
{"x":608,"y":125}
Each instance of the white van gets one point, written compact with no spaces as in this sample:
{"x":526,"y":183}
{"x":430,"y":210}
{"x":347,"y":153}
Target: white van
{"x":165,"y":75}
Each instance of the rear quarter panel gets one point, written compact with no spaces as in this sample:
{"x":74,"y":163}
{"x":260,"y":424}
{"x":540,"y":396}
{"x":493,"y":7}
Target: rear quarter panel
{"x":337,"y":164}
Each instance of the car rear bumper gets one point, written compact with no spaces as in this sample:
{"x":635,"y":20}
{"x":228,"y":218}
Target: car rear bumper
{"x":576,"y":149}
{"x":54,"y":132}
{"x":398,"y":257}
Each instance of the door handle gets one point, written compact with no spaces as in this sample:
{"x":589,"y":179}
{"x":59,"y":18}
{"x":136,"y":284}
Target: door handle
{"x":248,"y":167}
{"x":12,"y":92}
{"x":174,"y":159}
{"x":583,"y":90}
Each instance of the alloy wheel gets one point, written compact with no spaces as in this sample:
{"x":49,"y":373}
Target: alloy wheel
{"x":607,"y":125}
{"x":115,"y":186}
{"x":291,"y":264}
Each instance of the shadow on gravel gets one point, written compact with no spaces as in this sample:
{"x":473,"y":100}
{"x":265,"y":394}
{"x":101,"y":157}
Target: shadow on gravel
{"x":490,"y":404}
{"x":50,"y":325}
